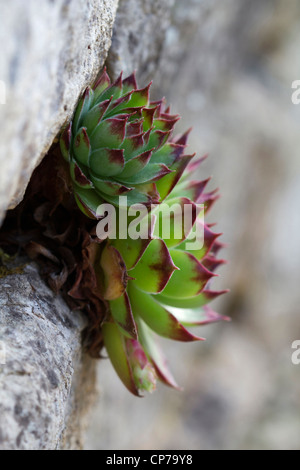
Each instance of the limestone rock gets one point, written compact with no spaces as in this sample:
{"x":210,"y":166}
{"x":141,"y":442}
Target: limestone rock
{"x":50,"y":52}
{"x":139,"y":37}
{"x":46,"y":383}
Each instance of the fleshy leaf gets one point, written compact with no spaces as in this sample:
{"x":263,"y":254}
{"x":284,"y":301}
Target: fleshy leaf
{"x":115,"y":346}
{"x":140,"y":97}
{"x":165,"y":124}
{"x":134,"y":128}
{"x":114,"y":273}
{"x":114,"y":90}
{"x":167,"y":183}
{"x":208,"y":241}
{"x":208,"y":199}
{"x":88,"y":201}
{"x":182,"y":140}
{"x":190,"y":189}
{"x":136,"y":164}
{"x":168,"y":154}
{"x":155,"y":354}
{"x":212,"y":263}
{"x":100,"y":85}
{"x":107,"y":162}
{"x":133,"y":146}
{"x":82,"y":146}
{"x":94,"y":116}
{"x":190,"y":279}
{"x":198,"y":317}
{"x":198,"y":301}
{"x":82,"y":108}
{"x":175,"y":220}
{"x":109,"y":187}
{"x":155,"y":268}
{"x":143,"y":372}
{"x":121,"y":311}
{"x":109,"y":133}
{"x":132,"y":250}
{"x":157,"y":317}
{"x":148,"y":117}
{"x":133,"y":197}
{"x":157,"y":139}
{"x":79,"y":177}
{"x":65,"y":142}
{"x":129,"y":83}
{"x":151,"y":172}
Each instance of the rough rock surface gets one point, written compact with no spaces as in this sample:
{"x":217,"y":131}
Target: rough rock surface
{"x":139,"y":36}
{"x":50,"y":52}
{"x":46,"y":384}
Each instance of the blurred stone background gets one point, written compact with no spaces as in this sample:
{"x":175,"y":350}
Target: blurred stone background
{"x":227,"y":67}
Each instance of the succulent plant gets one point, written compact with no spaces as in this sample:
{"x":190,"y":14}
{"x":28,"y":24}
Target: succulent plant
{"x":120,"y":143}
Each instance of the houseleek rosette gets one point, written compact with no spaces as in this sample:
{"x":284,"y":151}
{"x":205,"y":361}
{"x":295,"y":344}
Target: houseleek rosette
{"x":117,"y":144}
{"x":120,"y":143}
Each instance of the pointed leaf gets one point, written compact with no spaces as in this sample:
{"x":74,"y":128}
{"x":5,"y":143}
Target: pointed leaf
{"x":150,"y":173}
{"x":136,"y":164}
{"x":168,"y":154}
{"x":109,"y":133}
{"x":166,"y":184}
{"x":208,"y":199}
{"x":159,"y":106}
{"x":190,"y":189}
{"x":114,"y":273}
{"x":198,"y":317}
{"x":121,"y":311}
{"x":140,"y":97}
{"x":155,"y":354}
{"x":199,"y":301}
{"x":133,"y":146}
{"x":134,"y":128}
{"x":92,"y":118}
{"x":143,"y":371}
{"x":100,"y":85}
{"x":107,"y":162}
{"x":79,"y":177}
{"x":65,"y":142}
{"x":165,"y":124}
{"x":155,"y":268}
{"x":175,"y":220}
{"x":132,"y":250}
{"x":132,"y":197}
{"x":116,"y":349}
{"x":212,"y":263}
{"x":88,"y":201}
{"x":114,"y":90}
{"x":148,"y":117}
{"x":157,"y":317}
{"x":119,"y":106}
{"x":182,"y":140}
{"x":208,"y":241}
{"x":82,"y":147}
{"x":190,"y":279}
{"x":109,"y":187}
{"x":81,"y":109}
{"x":129,"y":83}
{"x":157,"y":139}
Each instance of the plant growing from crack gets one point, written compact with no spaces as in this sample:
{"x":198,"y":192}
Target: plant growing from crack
{"x":120,"y":143}
{"x":131,"y":290}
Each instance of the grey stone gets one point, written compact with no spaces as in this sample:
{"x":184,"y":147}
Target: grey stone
{"x":50,"y":52}
{"x":139,"y":37}
{"x":46,"y":382}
